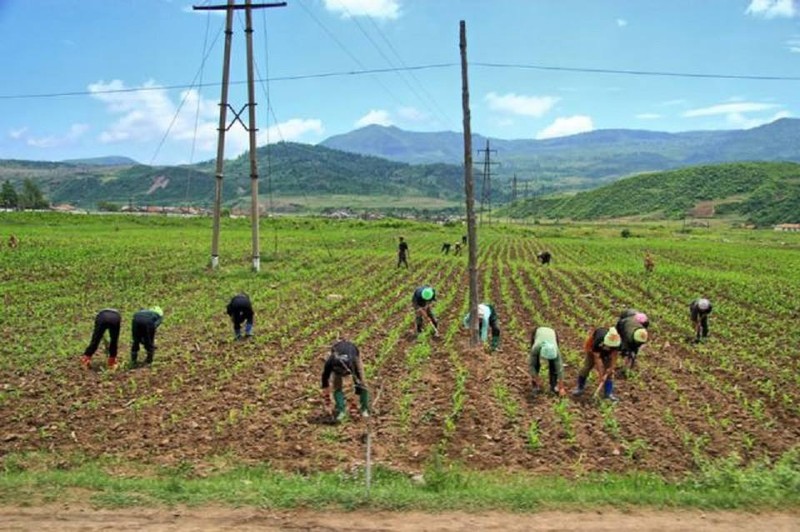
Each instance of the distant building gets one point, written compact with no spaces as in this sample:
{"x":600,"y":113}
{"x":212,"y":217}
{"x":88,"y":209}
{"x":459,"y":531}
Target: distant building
{"x":788,"y":227}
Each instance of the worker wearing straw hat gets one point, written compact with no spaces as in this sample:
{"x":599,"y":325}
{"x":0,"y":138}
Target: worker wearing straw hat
{"x":600,"y":353}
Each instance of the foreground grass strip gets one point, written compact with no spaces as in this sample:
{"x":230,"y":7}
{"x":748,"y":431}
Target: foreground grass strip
{"x":719,"y":485}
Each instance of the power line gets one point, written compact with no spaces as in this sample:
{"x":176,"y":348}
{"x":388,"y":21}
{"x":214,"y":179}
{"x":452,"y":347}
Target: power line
{"x":215,"y":84}
{"x":433,"y":66}
{"x":637,"y":72}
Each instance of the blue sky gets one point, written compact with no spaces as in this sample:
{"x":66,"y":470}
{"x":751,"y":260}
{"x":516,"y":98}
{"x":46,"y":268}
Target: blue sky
{"x":88,"y":78}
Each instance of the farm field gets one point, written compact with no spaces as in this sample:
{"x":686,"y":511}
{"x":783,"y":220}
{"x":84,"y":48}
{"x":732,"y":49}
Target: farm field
{"x":209,"y":399}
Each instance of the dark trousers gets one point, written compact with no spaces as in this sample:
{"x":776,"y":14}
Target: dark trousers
{"x":552,"y":371}
{"x":241,"y":312}
{"x":110,"y":321}
{"x":420,"y":321}
{"x":401,"y":259}
{"x":703,"y":321}
{"x":143,"y":331}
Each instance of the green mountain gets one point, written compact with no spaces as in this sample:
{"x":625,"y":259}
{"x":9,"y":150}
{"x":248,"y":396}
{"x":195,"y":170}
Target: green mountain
{"x":584,"y":160}
{"x":763,"y":193}
{"x":286,"y":169}
{"x":110,"y":160}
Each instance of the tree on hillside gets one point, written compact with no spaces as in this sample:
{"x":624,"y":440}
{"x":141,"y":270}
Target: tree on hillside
{"x":8,"y":196}
{"x":31,"y":196}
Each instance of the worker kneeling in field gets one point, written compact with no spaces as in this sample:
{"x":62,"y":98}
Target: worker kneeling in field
{"x":487,"y":319}
{"x":633,"y":331}
{"x":344,"y":361}
{"x":423,"y":299}
{"x":600,"y":352}
{"x":544,"y":257}
{"x":106,"y":320}
{"x":241,"y":311}
{"x":143,"y":331}
{"x":699,"y":311}
{"x":544,"y":345}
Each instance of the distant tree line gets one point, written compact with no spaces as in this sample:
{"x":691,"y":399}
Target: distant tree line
{"x":30,"y":197}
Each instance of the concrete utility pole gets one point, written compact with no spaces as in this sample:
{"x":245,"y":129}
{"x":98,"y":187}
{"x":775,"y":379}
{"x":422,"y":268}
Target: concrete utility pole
{"x":472,"y":236}
{"x":486,"y":188}
{"x":229,"y":8}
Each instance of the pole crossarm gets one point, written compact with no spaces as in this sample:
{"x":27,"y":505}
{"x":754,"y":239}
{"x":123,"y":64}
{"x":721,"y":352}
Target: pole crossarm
{"x":237,"y":117}
{"x":226,"y":7}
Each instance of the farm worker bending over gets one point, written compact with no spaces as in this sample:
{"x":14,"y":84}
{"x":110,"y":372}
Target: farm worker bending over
{"x":600,"y":351}
{"x":241,"y":311}
{"x":344,"y":360}
{"x":641,"y":317}
{"x":544,"y":345}
{"x":109,"y":320}
{"x":402,"y":253}
{"x":423,"y":299}
{"x":487,"y":318}
{"x":699,"y":311}
{"x":634,"y":335}
{"x":143,"y":331}
{"x":544,"y":257}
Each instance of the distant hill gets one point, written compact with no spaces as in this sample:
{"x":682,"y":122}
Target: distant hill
{"x":584,"y":160}
{"x":763,"y":193}
{"x":289,"y":169}
{"x":111,"y":160}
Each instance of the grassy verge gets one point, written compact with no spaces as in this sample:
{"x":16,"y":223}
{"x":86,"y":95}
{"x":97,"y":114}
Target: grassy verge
{"x":28,"y":480}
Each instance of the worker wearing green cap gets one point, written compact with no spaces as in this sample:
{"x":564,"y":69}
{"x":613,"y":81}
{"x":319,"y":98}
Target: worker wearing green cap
{"x":544,"y":345}
{"x":143,"y":331}
{"x":423,"y":299}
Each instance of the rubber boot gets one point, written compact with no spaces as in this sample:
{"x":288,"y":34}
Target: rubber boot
{"x":363,"y":401}
{"x":338,"y":399}
{"x":134,"y":359}
{"x":248,"y":329}
{"x":237,"y":333}
{"x":495,"y":342}
{"x":149,"y":359}
{"x":581,"y":385}
{"x":608,"y":391}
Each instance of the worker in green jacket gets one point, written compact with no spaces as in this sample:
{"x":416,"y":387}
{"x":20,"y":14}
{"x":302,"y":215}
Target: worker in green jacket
{"x":544,"y":345}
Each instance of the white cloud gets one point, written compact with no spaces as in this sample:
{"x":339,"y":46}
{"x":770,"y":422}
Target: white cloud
{"x":375,"y":116}
{"x":621,"y":22}
{"x":388,"y":9}
{"x":411,"y":114}
{"x":511,"y":103}
{"x":291,"y":130}
{"x":17,"y":134}
{"x":739,"y":121}
{"x":728,"y":108}
{"x":74,"y":133}
{"x":648,"y":116}
{"x":568,"y":125}
{"x":772,"y":8}
{"x":145,"y":115}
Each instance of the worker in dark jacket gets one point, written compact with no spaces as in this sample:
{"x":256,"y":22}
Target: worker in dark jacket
{"x":699,"y":311}
{"x":241,"y":311}
{"x":106,"y":320}
{"x":634,"y":335}
{"x":344,"y":360}
{"x":423,"y":299}
{"x":487,"y":319}
{"x":143,"y":331}
{"x":545,"y":257}
{"x":544,"y":345}
{"x":600,"y":353}
{"x":402,"y":253}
